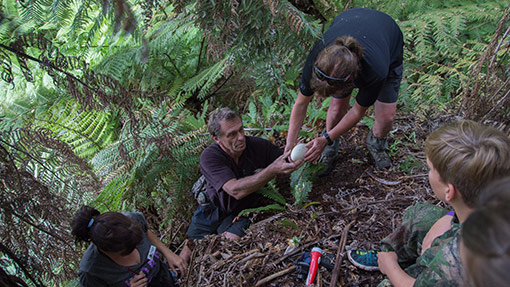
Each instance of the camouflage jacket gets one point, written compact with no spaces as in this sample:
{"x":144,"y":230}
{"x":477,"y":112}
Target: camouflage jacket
{"x":439,"y":265}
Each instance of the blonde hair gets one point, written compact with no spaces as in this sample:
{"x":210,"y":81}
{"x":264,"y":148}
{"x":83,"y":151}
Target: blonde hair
{"x":468,"y":155}
{"x":338,"y":60}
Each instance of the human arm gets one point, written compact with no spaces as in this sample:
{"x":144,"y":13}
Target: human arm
{"x":242,"y":187}
{"x":438,"y":229}
{"x":297,"y":116}
{"x":388,"y":264}
{"x":174,"y":260}
{"x":317,"y":145}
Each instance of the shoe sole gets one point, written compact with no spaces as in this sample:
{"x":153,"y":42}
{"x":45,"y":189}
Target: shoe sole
{"x":360,"y":266}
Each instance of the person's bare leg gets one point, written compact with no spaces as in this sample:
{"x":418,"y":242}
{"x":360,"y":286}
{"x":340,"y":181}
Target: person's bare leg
{"x":384,"y":117}
{"x":336,"y":111}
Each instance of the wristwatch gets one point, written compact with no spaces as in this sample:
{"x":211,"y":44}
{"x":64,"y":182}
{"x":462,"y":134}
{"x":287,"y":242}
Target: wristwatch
{"x":325,"y":134}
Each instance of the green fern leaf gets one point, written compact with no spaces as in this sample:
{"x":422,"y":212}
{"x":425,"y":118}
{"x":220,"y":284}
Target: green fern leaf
{"x":270,"y":190}
{"x":267,"y":208}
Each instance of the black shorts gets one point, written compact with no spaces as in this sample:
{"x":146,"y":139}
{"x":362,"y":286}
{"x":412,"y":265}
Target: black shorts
{"x":389,"y":91}
{"x":203,"y":224}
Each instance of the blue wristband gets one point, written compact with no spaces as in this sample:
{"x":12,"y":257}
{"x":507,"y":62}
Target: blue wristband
{"x":325,"y":134}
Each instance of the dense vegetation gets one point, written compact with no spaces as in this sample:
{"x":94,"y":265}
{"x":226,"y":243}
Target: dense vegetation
{"x":105,"y":102}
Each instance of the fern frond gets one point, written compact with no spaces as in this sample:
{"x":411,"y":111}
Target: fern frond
{"x":206,"y":78}
{"x":267,"y":208}
{"x":270,"y":190}
{"x":86,"y":131}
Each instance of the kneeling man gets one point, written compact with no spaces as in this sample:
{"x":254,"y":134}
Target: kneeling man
{"x":235,"y":166}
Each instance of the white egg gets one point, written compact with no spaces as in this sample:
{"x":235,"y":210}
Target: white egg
{"x":298,"y":152}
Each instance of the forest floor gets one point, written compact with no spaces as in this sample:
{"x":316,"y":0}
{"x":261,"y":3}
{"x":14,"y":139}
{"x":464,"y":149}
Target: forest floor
{"x":355,"y":192}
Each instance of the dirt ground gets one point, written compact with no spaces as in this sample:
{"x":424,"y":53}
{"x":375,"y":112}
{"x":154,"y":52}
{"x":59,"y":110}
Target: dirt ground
{"x":355,"y":192}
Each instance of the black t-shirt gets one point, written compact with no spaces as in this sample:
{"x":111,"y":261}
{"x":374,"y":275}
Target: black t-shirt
{"x":382,"y":43}
{"x":97,"y":269}
{"x":218,"y":168}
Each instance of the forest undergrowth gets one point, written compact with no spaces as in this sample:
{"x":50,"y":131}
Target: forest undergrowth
{"x":106,"y":103}
{"x":357,"y":199}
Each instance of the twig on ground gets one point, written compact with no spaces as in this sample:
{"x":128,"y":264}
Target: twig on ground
{"x":190,"y":265}
{"x":338,"y":260}
{"x":383,"y":181}
{"x":276,"y":275}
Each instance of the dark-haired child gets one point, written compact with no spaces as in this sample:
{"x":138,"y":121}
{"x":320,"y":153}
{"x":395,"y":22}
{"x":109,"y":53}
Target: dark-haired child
{"x":124,"y":252}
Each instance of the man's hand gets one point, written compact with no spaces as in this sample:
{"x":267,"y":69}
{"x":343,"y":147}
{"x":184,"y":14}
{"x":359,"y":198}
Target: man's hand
{"x":138,"y":281}
{"x":284,"y":165}
{"x":289,"y":146}
{"x":315,"y":149}
{"x":242,"y":187}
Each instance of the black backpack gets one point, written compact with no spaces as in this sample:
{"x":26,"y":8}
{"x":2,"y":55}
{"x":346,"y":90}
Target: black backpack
{"x":199,"y":191}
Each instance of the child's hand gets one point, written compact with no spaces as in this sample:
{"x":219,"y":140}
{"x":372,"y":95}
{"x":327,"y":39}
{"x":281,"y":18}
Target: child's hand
{"x":387,"y":261}
{"x":176,"y":262}
{"x":139,"y":280}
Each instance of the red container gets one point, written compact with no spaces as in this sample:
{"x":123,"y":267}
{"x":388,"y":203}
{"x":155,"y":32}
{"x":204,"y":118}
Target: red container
{"x":314,"y":265}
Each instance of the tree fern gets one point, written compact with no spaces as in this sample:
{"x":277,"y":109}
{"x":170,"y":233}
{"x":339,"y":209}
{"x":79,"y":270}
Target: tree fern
{"x":86,"y":131}
{"x":436,"y":38}
{"x":206,"y":78}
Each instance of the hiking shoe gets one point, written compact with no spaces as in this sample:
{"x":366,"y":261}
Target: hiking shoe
{"x":377,"y":148}
{"x":329,"y":156}
{"x":364,"y":259}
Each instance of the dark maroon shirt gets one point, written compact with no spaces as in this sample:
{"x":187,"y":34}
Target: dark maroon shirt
{"x":218,"y":168}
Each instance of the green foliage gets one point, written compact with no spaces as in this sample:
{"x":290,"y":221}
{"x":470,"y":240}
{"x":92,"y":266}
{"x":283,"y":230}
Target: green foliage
{"x":141,"y":123}
{"x":270,"y":190}
{"x":369,"y":121}
{"x":267,"y":208}
{"x":301,"y":181}
{"x":290,"y":224}
{"x":203,"y":81}
{"x":86,"y":131}
{"x":449,"y":41}
{"x":410,"y":164}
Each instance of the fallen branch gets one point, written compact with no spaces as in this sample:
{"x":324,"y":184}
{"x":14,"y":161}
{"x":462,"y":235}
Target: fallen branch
{"x":383,"y":181}
{"x":190,"y":265}
{"x":276,"y":275}
{"x":341,"y":247}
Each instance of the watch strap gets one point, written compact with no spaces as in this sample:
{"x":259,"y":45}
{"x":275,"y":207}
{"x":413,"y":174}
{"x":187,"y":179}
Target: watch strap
{"x":325,"y":134}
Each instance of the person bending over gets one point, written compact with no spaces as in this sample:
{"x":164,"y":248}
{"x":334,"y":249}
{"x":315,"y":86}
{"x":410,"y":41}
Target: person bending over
{"x":362,"y":49}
